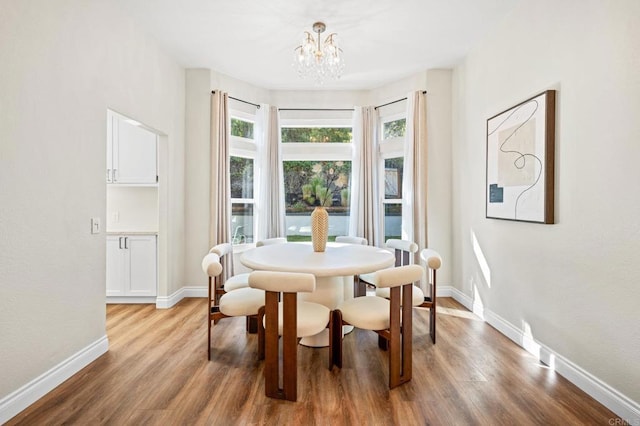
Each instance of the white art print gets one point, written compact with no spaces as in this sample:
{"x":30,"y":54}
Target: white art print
{"x":520,"y":161}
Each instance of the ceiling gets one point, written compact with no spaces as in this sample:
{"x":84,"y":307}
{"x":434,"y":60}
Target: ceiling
{"x":253,"y":41}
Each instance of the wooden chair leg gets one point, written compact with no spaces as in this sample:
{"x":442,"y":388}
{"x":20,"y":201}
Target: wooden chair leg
{"x":209,"y":323}
{"x":432,"y":311}
{"x":290,"y":348}
{"x":430,"y":302}
{"x":335,"y":340}
{"x":394,"y":339}
{"x":331,"y":334}
{"x":432,"y":323}
{"x":407,"y":336}
{"x":209,"y":339}
{"x":252,"y":324}
{"x":271,"y":352}
{"x":383,"y":343}
{"x":260,"y":333}
{"x":359,"y":287}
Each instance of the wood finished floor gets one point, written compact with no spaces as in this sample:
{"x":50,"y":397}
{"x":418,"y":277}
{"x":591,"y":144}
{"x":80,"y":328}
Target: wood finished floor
{"x":156,"y":373}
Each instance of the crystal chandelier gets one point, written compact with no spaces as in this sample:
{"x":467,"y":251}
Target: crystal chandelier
{"x":316,"y":59}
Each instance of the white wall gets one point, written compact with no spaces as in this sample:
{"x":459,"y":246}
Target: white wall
{"x":197,"y":154}
{"x":572,"y":286}
{"x":132,"y":209}
{"x":63,"y":65}
{"x":199,"y":84}
{"x":437,"y":83}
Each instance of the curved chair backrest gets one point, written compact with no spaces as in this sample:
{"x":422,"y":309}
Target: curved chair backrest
{"x":351,"y":240}
{"x":269,"y":241}
{"x":286,"y":282}
{"x":394,"y":277}
{"x":403,"y":245}
{"x":222,"y":249}
{"x":403,"y":250}
{"x":431,"y":258}
{"x":211,"y":265}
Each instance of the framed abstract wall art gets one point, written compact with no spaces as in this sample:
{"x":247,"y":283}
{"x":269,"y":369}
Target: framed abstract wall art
{"x":520,"y":161}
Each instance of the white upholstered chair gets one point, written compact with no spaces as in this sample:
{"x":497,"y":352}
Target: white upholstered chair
{"x":230,"y":283}
{"x":391,"y":319}
{"x":241,"y":280}
{"x":242,"y":302}
{"x":403,"y":251}
{"x":291,"y":319}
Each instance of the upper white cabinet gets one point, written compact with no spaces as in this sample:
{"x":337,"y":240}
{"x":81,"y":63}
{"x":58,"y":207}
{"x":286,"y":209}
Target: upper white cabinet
{"x":131,"y":152}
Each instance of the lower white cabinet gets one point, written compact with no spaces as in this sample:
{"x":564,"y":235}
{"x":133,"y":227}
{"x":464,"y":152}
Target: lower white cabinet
{"x":132,"y":268}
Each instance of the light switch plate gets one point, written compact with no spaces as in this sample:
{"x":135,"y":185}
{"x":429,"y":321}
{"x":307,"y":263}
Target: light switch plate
{"x":95,"y":225}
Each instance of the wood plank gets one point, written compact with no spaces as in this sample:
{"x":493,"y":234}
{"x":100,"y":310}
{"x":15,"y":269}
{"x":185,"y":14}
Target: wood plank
{"x":156,"y":372}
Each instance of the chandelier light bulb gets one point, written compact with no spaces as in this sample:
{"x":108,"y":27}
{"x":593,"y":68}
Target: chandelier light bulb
{"x":317,"y":59}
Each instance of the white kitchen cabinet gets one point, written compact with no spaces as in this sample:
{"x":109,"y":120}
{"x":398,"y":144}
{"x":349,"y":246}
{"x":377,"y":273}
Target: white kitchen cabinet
{"x":131,"y":152}
{"x":132,"y":265}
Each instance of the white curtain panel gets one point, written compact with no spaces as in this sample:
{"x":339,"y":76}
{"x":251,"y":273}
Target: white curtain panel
{"x":220,"y":185}
{"x":270,"y":211}
{"x":414,"y":195}
{"x":364,"y":212}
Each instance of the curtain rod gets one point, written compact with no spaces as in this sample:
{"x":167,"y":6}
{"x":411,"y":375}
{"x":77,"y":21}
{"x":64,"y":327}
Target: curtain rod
{"x":315,"y":109}
{"x":240,"y":100}
{"x":396,"y":101}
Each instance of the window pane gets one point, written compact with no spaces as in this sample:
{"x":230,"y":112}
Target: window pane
{"x":394,"y":129}
{"x":393,"y":170}
{"x":392,"y":221}
{"x":241,"y":223}
{"x":317,"y":134}
{"x":309,"y":183}
{"x":241,"y":128}
{"x":241,"y":171}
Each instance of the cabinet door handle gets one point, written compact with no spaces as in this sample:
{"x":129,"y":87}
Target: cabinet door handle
{"x":115,"y":175}
{"x":120,"y":243}
{"x":108,"y":175}
{"x":125,"y":242}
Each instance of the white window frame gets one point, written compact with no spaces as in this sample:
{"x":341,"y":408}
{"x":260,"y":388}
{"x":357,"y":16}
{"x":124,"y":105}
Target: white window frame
{"x":245,"y":148}
{"x":317,"y":151}
{"x":387,"y":149}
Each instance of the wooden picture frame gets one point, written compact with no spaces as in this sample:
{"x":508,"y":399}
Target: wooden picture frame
{"x":520,"y":161}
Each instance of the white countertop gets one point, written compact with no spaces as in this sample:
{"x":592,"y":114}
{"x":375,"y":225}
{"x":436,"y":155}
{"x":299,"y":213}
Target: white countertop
{"x":132,"y":232}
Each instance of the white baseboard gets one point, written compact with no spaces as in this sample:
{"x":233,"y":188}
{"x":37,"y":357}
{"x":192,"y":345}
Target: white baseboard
{"x":189,"y":291}
{"x":614,"y":400}
{"x":20,"y":399}
{"x":459,"y":296}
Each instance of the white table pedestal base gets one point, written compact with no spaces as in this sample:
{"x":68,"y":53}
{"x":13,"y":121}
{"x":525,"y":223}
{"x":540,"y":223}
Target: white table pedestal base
{"x":330,"y":292}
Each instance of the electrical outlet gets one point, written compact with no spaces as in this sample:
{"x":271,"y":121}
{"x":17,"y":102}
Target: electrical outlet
{"x":95,"y":225}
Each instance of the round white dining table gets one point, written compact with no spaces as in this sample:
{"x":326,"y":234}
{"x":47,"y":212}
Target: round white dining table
{"x":334,"y":270}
